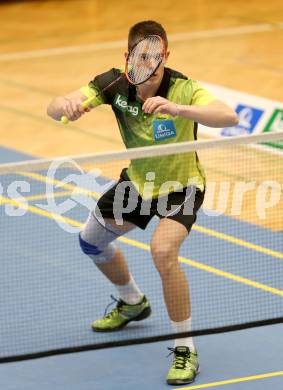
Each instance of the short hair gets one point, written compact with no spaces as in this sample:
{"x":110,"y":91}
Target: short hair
{"x":142,"y":29}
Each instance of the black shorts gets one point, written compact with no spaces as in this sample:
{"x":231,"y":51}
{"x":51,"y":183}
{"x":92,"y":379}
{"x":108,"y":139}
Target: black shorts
{"x":180,"y":206}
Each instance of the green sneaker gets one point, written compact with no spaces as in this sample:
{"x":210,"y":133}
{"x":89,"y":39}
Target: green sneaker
{"x":185,"y":366}
{"x":121,"y":315}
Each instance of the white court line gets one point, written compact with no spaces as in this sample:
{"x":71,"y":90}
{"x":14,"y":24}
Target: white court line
{"x":222,"y":32}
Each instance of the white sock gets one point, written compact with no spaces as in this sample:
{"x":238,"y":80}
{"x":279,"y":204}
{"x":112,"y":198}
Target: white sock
{"x":130,"y":292}
{"x":183,"y":326}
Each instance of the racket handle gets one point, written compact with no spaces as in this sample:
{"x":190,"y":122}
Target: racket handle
{"x":64,"y":120}
{"x":85,"y":104}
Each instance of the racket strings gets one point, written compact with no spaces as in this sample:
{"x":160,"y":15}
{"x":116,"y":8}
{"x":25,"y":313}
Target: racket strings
{"x":144,"y":59}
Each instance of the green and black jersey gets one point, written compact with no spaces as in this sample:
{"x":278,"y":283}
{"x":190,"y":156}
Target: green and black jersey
{"x":139,"y":129}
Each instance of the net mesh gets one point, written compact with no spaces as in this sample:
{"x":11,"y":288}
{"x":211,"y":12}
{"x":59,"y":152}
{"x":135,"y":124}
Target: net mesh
{"x":144,"y":59}
{"x":51,"y":292}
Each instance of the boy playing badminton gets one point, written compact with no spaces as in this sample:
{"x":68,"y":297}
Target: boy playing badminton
{"x":165,"y":108}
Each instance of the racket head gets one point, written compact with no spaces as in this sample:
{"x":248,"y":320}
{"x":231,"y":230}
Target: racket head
{"x":144,"y":59}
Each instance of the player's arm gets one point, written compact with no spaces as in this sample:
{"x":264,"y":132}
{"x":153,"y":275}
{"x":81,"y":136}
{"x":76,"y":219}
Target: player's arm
{"x":202,"y":107}
{"x":69,"y":105}
{"x":214,"y":114}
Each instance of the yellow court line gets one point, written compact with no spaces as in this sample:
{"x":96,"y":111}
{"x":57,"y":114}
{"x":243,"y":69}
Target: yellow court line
{"x":58,"y":194}
{"x":49,"y":195}
{"x":210,"y":269}
{"x":67,"y":186}
{"x":201,"y":229}
{"x":234,"y":277}
{"x":237,"y":241}
{"x":230,"y":381}
{"x":41,"y":212}
{"x":198,"y":228}
{"x":146,"y":247}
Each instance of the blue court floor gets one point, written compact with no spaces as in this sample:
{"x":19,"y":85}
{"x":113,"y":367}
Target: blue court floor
{"x":249,"y":268}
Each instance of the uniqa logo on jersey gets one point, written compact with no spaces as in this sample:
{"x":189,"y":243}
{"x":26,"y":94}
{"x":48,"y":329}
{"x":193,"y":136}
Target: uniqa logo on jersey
{"x":163,"y":129}
{"x":121,"y":102}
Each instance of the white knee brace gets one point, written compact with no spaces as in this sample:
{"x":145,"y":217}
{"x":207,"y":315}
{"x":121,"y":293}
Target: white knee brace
{"x":96,"y":240}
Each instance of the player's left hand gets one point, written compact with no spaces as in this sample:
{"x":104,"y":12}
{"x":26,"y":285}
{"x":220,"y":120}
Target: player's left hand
{"x":158,"y":104}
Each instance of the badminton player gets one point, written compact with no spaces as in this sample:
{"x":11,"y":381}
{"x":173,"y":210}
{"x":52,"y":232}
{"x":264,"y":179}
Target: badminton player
{"x":164,"y":109}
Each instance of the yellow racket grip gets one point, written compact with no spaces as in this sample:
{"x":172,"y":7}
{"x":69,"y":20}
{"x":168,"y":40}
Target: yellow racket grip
{"x":85,"y":104}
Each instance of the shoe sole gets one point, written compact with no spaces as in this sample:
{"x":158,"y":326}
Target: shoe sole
{"x":142,"y":316}
{"x":180,"y":381}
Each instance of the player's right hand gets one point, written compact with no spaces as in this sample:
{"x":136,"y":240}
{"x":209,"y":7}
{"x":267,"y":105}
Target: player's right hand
{"x":72,"y":108}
